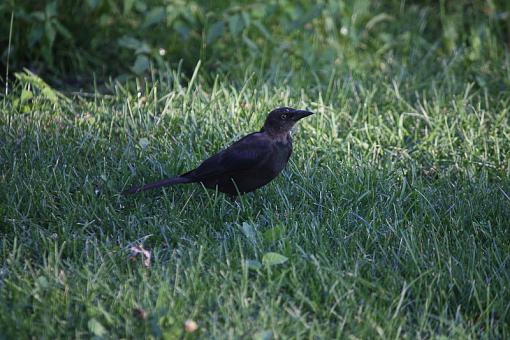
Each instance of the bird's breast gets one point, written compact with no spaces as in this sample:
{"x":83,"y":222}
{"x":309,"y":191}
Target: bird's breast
{"x":279,"y":156}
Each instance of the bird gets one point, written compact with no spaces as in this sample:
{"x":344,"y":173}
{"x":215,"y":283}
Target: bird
{"x":247,"y":164}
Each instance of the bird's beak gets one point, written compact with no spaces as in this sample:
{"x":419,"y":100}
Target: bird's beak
{"x":298,"y":114}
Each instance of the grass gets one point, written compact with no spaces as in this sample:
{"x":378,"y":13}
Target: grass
{"x":392,"y":215}
{"x":390,"y":221}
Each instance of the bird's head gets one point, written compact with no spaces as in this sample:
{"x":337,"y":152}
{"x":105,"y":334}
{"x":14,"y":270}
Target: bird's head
{"x":282,"y":119}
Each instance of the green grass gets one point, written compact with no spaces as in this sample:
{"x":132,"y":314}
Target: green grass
{"x":378,"y":244}
{"x":392,"y":214}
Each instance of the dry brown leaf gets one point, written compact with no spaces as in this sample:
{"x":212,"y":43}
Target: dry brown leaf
{"x":138,"y":249}
{"x":190,"y":326}
{"x":430,"y":172}
{"x":140,"y":313}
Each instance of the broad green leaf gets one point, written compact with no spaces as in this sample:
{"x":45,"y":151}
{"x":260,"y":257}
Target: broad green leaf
{"x":155,"y":16}
{"x":236,"y":24}
{"x":215,"y":31}
{"x":50,"y":32}
{"x":143,"y":49}
{"x":35,"y":35}
{"x":49,"y":93}
{"x":271,"y":259}
{"x":129,"y":42}
{"x":141,"y":64}
{"x":26,"y":95}
{"x":249,"y":232}
{"x":182,"y":28}
{"x":96,"y":328}
{"x":253,"y":264}
{"x":51,"y":9}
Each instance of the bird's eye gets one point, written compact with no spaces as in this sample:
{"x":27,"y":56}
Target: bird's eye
{"x":283,"y":116}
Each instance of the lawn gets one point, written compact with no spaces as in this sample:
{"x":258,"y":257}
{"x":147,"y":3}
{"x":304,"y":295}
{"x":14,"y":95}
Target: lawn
{"x":390,"y":221}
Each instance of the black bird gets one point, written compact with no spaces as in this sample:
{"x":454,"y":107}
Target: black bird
{"x":249,"y":163}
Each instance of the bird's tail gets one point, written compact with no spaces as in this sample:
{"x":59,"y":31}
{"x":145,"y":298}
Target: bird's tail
{"x":159,"y":184}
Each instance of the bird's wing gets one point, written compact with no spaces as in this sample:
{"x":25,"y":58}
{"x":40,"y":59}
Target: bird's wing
{"x":245,"y":154}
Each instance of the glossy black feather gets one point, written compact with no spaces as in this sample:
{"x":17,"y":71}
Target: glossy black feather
{"x":247,"y":164}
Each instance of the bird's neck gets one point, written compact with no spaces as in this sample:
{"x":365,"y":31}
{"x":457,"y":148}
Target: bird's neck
{"x":276,"y":134}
